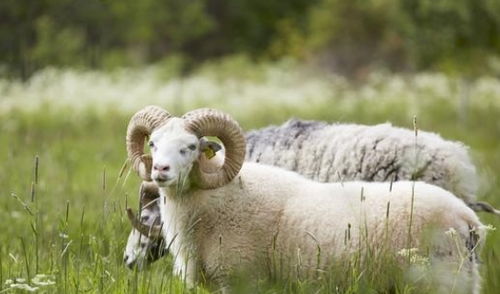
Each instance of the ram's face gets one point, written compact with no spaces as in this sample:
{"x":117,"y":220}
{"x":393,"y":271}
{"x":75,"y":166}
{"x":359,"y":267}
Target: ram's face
{"x":141,"y":250}
{"x":174,"y":150}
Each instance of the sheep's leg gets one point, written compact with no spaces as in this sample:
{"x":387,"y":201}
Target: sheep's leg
{"x":186,"y":269}
{"x":191,"y":271}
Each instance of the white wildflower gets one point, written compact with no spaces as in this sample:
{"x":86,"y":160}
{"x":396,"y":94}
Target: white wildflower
{"x":451,"y":232}
{"x":489,"y":227}
{"x":24,"y":287}
{"x":43,"y":280}
{"x":15,"y":281}
{"x":274,"y":85}
{"x":39,"y":281}
{"x":405,"y":252}
{"x":415,"y":258}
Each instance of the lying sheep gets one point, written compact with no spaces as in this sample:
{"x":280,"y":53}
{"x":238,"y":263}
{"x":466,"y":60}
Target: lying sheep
{"x":345,"y":152}
{"x":241,"y":215}
{"x":140,"y":249}
{"x":335,"y":152}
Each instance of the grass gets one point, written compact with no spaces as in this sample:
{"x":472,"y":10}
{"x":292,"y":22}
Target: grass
{"x":62,"y":198}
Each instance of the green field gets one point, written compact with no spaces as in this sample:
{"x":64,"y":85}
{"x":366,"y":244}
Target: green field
{"x":65,"y":218}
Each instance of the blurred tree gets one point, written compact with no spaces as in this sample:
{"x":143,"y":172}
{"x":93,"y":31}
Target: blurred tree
{"x":350,"y":36}
{"x":67,"y":51}
{"x":451,"y":35}
{"x":34,"y":34}
{"x":454,"y":35}
{"x":347,"y":36}
{"x":242,"y":26}
{"x":17,"y":34}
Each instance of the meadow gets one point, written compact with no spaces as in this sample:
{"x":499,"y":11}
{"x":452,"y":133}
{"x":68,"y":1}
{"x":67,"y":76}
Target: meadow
{"x":64,"y":187}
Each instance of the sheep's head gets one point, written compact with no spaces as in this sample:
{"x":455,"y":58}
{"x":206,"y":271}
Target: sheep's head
{"x":174,"y":151}
{"x":142,"y":250}
{"x":177,"y":146}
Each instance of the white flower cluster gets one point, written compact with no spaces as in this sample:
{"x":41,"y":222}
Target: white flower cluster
{"x":414,"y":257}
{"x":37,"y":282}
{"x":489,"y":227}
{"x":451,"y":232}
{"x":282,"y":85}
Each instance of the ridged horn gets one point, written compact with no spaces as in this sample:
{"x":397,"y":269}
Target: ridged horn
{"x":152,"y":232}
{"x":140,"y":126}
{"x":210,"y":122}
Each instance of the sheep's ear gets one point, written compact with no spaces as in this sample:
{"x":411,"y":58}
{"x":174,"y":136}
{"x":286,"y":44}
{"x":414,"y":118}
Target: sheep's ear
{"x":209,"y":148}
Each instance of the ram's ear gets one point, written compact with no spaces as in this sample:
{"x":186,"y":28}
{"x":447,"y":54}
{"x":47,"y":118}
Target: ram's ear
{"x":209,"y":147}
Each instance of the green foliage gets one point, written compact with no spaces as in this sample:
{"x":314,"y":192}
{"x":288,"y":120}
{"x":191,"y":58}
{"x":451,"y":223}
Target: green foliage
{"x":347,"y":36}
{"x":55,"y":46}
{"x":75,"y":229}
{"x":355,"y":34}
{"x":456,"y":36}
{"x":96,"y":33}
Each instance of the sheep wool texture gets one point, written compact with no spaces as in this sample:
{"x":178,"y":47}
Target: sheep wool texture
{"x":267,"y":211}
{"x":344,"y":152}
{"x":340,"y":152}
{"x":218,"y":227}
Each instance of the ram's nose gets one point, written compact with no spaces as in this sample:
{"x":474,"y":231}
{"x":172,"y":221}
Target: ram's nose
{"x":161,"y":167}
{"x":129,"y":263}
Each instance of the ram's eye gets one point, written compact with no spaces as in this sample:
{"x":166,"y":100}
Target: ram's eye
{"x":192,"y":147}
{"x":182,"y":151}
{"x":151,"y":144}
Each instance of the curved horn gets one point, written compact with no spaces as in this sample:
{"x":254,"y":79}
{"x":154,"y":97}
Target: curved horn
{"x":140,"y":126}
{"x":211,"y":122}
{"x":153,"y":231}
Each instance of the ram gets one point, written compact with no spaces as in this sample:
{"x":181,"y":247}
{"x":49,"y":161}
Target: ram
{"x":243,"y":214}
{"x":345,"y":152}
{"x":141,"y":250}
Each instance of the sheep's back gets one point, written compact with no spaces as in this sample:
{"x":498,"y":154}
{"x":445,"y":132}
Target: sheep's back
{"x":344,"y":152}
